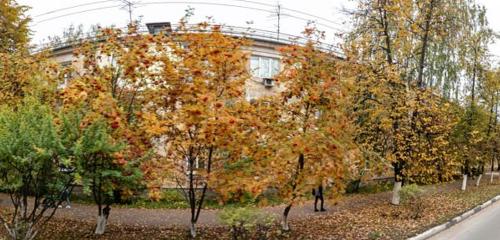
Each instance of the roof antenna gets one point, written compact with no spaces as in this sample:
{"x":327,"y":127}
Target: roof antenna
{"x":129,"y":7}
{"x":277,"y":13}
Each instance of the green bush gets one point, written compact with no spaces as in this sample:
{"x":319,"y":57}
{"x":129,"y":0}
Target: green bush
{"x":368,"y":187}
{"x":247,"y":223}
{"x":411,"y":196}
{"x":410,"y":192}
{"x":374,"y":235}
{"x":172,"y":195}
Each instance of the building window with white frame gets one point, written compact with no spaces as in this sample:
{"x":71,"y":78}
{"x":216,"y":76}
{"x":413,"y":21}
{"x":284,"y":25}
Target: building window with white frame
{"x":68,"y":75}
{"x":264,"y":67}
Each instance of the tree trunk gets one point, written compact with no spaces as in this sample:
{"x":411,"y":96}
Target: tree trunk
{"x":479,"y":180}
{"x":285,"y":225}
{"x":30,"y":234}
{"x":464,"y":182}
{"x":425,"y":43}
{"x":192,"y":230}
{"x":491,"y":177}
{"x":25,"y":231}
{"x":101,"y":224}
{"x":395,"y":193}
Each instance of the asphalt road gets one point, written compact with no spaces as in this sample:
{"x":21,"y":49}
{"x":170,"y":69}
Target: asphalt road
{"x":484,"y":225}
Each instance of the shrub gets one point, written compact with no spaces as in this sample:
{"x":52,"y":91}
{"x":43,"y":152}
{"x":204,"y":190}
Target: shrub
{"x":374,"y":235}
{"x":247,"y":223}
{"x":411,"y":195}
{"x":32,"y":154}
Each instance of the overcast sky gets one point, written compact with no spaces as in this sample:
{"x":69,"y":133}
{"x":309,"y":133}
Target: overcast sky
{"x":47,"y":21}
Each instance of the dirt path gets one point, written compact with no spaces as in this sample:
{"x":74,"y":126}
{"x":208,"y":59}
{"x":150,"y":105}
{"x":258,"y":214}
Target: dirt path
{"x":181,"y":217}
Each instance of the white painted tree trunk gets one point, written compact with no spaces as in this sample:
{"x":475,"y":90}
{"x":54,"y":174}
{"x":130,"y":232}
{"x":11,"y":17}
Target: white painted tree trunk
{"x":192,"y":230}
{"x":464,"y":182}
{"x":395,"y":193}
{"x":284,"y":224}
{"x":479,"y":180}
{"x":101,"y":225}
{"x":491,"y":177}
{"x":23,"y":231}
{"x":31,"y":233}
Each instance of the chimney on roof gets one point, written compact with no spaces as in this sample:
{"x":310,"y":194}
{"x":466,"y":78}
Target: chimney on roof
{"x":157,"y":27}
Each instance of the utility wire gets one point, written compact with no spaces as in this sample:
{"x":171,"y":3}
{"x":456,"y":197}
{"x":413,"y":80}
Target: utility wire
{"x":147,"y":3}
{"x":237,"y":6}
{"x":71,"y":7}
{"x":75,"y":13}
{"x":177,"y":2}
{"x":317,"y":23}
{"x":290,"y":10}
{"x":207,"y":3}
{"x":244,"y":1}
{"x":129,"y":6}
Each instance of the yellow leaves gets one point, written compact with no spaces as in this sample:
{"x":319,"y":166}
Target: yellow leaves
{"x":82,"y":96}
{"x":156,"y":130}
{"x":153,"y":126}
{"x":154,"y":194}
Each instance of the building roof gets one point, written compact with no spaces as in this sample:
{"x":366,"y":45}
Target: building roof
{"x":259,"y":36}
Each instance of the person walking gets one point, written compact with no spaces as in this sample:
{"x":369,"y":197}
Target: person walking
{"x":318,"y":195}
{"x":66,"y":195}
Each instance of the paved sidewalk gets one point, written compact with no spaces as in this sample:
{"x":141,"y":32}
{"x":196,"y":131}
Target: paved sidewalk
{"x":181,"y":217}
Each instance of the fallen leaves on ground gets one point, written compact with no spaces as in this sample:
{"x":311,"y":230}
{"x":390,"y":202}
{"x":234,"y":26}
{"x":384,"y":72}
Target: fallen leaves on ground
{"x":361,"y":216}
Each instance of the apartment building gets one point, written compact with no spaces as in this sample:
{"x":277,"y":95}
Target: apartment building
{"x":264,"y":62}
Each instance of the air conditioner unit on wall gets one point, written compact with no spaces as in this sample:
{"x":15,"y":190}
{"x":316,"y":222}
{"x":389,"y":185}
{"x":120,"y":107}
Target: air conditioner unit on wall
{"x":268,"y":82}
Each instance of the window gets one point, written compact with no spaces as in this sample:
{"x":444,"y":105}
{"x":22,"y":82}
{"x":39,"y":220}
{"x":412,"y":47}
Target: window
{"x":197,"y":164}
{"x":264,"y":67}
{"x":67,"y":74}
{"x":250,"y":96}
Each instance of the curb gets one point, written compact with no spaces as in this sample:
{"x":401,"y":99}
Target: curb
{"x":437,"y":229}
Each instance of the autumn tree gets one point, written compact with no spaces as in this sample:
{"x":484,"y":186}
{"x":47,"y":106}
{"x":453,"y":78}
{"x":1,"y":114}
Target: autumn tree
{"x":103,"y":98}
{"x":23,"y":75}
{"x":193,"y":112}
{"x":402,"y":44}
{"x":14,"y":31}
{"x":309,"y":132}
{"x":479,"y":35}
{"x":33,"y":144}
{"x":490,"y":94}
{"x":103,"y":160}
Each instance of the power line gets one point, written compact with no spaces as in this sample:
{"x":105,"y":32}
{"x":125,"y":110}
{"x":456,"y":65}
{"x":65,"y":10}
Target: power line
{"x":317,"y":23}
{"x":147,"y":3}
{"x":71,"y":7}
{"x":207,"y":3}
{"x":129,"y":6}
{"x":291,"y":10}
{"x":75,"y":13}
{"x":311,"y":15}
{"x":181,"y":2}
{"x":237,"y":6}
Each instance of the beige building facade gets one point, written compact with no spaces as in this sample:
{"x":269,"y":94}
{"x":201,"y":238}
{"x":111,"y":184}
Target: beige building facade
{"x":264,"y":62}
